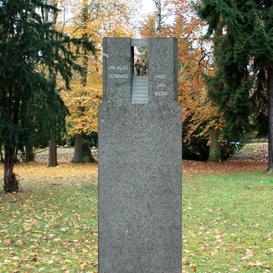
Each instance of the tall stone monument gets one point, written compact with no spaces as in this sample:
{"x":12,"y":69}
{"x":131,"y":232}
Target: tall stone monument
{"x":140,"y":160}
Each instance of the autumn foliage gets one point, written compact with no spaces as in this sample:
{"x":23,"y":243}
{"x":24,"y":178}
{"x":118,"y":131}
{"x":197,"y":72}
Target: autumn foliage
{"x":202,"y":120}
{"x":92,"y":20}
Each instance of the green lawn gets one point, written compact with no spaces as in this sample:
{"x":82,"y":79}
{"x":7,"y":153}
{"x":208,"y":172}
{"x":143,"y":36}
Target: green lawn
{"x":52,"y":225}
{"x":228,"y":223}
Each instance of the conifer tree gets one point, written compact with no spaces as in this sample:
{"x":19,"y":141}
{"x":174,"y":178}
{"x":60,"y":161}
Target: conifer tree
{"x":243,"y":83}
{"x":29,"y":47}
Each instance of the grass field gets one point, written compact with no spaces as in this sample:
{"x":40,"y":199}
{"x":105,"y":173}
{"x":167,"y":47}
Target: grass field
{"x":51,"y":226}
{"x":228,"y":223}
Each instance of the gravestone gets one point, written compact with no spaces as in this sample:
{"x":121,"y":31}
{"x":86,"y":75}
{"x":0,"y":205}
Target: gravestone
{"x":140,"y":223}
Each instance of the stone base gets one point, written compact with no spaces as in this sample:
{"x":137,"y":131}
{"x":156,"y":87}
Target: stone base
{"x":140,"y":226}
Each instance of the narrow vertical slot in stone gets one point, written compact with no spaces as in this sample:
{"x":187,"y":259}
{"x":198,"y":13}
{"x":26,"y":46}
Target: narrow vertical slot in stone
{"x":140,"y":72}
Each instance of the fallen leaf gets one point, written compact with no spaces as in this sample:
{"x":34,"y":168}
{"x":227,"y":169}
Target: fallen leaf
{"x":248,"y":255}
{"x":193,"y":267}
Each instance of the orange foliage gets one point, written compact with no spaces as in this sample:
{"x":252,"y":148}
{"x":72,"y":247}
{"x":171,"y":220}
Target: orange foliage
{"x":102,"y":18}
{"x":194,"y":61}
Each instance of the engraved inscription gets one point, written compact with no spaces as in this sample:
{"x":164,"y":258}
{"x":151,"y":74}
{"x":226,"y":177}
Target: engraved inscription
{"x":161,"y":94}
{"x":161,"y":76}
{"x":116,"y":69}
{"x":118,"y":76}
{"x":160,"y":85}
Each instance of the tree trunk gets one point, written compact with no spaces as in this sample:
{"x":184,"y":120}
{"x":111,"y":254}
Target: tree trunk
{"x":82,"y":152}
{"x":67,"y":142}
{"x":1,"y":154}
{"x":16,"y":160}
{"x":29,"y":154}
{"x":52,"y":157}
{"x":11,"y":184}
{"x":270,"y":118}
{"x":158,"y":18}
{"x":77,"y":149}
{"x":214,"y":147}
{"x":86,"y":154}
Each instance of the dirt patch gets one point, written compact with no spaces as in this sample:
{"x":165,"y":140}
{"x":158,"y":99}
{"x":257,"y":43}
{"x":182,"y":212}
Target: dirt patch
{"x":60,"y":174}
{"x":230,"y":166}
{"x":68,"y":171}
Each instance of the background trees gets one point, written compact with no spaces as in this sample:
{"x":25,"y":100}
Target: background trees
{"x":95,"y":19}
{"x":225,"y":75}
{"x":242,"y":84}
{"x":202,"y":120}
{"x":29,"y":45}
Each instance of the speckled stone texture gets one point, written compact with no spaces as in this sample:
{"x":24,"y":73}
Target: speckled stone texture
{"x":117,"y":70}
{"x":140,"y":169}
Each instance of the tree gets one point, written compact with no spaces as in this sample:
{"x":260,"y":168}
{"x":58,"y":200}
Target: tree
{"x":95,"y":19}
{"x":262,"y":51}
{"x":29,"y":46}
{"x":158,"y":20}
{"x":202,"y":120}
{"x":52,"y":156}
{"x":243,"y":84}
{"x":82,"y":152}
{"x":201,"y":117}
{"x":57,"y":113}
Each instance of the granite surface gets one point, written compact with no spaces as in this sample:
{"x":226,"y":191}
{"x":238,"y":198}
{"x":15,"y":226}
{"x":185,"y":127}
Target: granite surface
{"x":140,"y":167}
{"x":117,"y":70}
{"x":162,"y":63}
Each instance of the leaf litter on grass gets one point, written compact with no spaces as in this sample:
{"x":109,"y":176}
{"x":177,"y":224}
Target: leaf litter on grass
{"x":227,"y":224}
{"x":51,"y":226}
